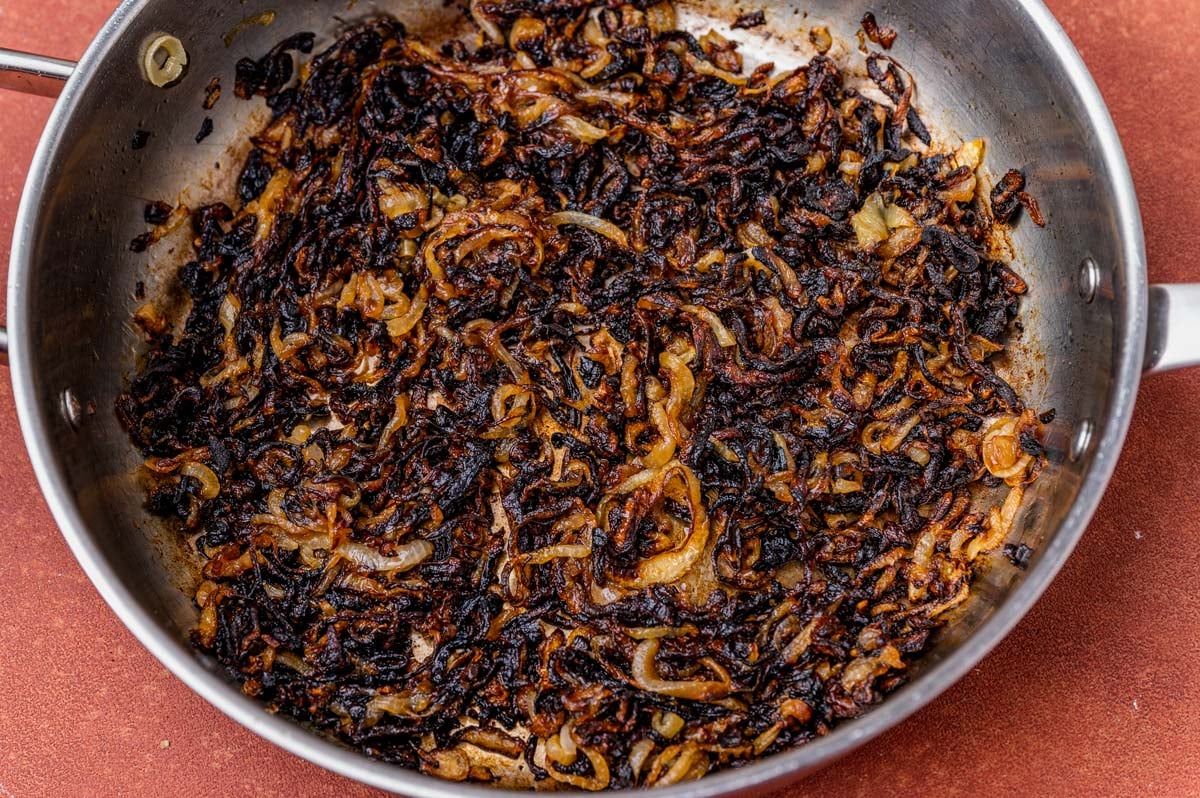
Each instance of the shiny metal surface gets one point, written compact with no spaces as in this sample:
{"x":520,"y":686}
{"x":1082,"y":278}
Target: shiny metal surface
{"x":33,"y":74}
{"x":1001,"y":70}
{"x":1173,"y":337}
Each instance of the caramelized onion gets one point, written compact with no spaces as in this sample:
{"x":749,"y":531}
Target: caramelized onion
{"x":678,"y":763}
{"x":567,"y":405}
{"x":493,"y":740}
{"x":646,"y":677}
{"x":669,"y":566}
{"x":407,"y":556}
{"x":210,"y":485}
{"x":599,"y":779}
{"x":638,"y":755}
{"x":593,"y":223}
{"x":667,"y":724}
{"x":722,"y":333}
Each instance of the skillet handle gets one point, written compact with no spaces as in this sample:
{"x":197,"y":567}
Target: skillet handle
{"x":31,"y":74}
{"x":1173,"y":335}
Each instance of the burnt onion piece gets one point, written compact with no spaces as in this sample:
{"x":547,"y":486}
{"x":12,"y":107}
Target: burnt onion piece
{"x":576,"y":407}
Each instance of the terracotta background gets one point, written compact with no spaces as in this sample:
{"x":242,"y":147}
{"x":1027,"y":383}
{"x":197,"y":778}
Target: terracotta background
{"x":1096,"y":693}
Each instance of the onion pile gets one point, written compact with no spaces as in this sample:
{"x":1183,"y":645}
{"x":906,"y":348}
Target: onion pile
{"x":568,"y":405}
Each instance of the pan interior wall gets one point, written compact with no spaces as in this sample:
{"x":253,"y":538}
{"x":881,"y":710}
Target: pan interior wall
{"x":82,"y":290}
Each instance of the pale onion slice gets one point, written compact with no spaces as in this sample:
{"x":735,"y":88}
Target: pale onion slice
{"x":402,"y":325}
{"x":669,"y":566}
{"x":687,"y":760}
{"x":867,"y":667}
{"x":489,"y":28}
{"x":584,"y":131}
{"x":638,"y":754}
{"x":970,"y":154}
{"x":407,"y":556}
{"x":597,"y":781}
{"x":870,"y":225}
{"x":667,"y":724}
{"x":646,"y":677}
{"x":724,"y":337}
{"x":999,"y":523}
{"x":210,"y":486}
{"x":561,"y":748}
{"x":593,"y":223}
{"x":664,"y":450}
{"x":164,"y":60}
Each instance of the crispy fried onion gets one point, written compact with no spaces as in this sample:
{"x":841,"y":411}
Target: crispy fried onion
{"x":1003,"y":455}
{"x":589,"y":222}
{"x":562,"y":749}
{"x":572,"y":405}
{"x":655,"y":490}
{"x":406,"y":557}
{"x":646,"y":677}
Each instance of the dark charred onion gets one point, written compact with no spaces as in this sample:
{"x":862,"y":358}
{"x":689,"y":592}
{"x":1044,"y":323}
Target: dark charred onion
{"x":751,"y":19}
{"x":1009,"y":196}
{"x":882,"y":35}
{"x":573,"y":407}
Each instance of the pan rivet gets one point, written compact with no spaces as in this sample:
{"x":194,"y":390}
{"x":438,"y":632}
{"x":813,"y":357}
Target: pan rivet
{"x":1082,"y":440}
{"x":1089,"y":280}
{"x":70,"y":408}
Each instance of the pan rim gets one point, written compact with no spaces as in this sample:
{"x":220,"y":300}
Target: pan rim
{"x":182,"y":661}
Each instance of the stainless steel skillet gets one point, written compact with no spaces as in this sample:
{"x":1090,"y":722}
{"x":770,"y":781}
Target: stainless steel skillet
{"x":1000,"y":69}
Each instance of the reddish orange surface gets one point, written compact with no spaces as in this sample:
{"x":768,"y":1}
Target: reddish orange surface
{"x":1096,"y":693}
